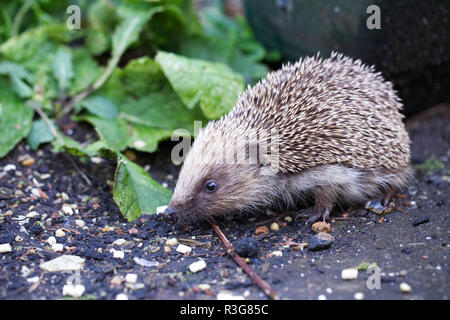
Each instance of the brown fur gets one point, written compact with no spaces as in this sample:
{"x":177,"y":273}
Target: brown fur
{"x":341,"y":135}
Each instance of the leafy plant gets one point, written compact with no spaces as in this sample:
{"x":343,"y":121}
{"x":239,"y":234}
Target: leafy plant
{"x":135,"y":70}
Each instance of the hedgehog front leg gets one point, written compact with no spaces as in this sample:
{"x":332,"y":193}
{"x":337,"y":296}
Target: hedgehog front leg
{"x":323,"y":204}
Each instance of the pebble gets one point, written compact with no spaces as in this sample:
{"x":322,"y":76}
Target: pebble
{"x":228,"y":295}
{"x":28,"y":161}
{"x":25,"y":271}
{"x":121,"y":296}
{"x":64,"y":196}
{"x":32,"y":214}
{"x":96,"y":160}
{"x":51,"y":240}
{"x":139,"y":144}
{"x":5,"y":247}
{"x":131,"y":278}
{"x":288,"y":219}
{"x":320,"y":241}
{"x":80,"y":223}
{"x":274,"y":226}
{"x":358,"y":296}
{"x":9,"y":167}
{"x":420,"y":221}
{"x":161,"y":209}
{"x":63,"y":263}
{"x":18,"y":238}
{"x":33,"y":280}
{"x":116,"y":280}
{"x":60,"y":233}
{"x":172,"y":242}
{"x":73,"y":290}
{"x":197,"y":266}
{"x":246,"y":247}
{"x":405,"y":288}
{"x":349,"y":274}
{"x":167,"y":249}
{"x":118,"y":254}
{"x":204,"y":286}
{"x":322,"y":297}
{"x":57,"y":247}
{"x":184,"y":249}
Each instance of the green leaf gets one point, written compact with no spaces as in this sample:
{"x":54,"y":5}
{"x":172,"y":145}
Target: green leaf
{"x":40,"y":133}
{"x":62,"y":68}
{"x":20,"y":78}
{"x":15,"y":119}
{"x":86,"y":70}
{"x":135,"y":192}
{"x":100,"y":106}
{"x":213,"y":85}
{"x":113,"y":132}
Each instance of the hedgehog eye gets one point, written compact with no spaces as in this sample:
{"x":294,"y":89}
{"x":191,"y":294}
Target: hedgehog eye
{"x":211,"y":186}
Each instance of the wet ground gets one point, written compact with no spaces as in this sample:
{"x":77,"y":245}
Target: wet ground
{"x":409,"y":246}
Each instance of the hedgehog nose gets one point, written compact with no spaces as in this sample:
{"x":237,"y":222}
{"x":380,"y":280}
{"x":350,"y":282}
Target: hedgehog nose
{"x":170,"y":215}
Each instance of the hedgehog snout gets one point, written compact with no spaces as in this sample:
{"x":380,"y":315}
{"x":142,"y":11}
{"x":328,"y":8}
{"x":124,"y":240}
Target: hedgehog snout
{"x":170,"y":215}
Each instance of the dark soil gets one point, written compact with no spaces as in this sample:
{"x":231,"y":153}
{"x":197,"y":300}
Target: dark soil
{"x":410,"y":245}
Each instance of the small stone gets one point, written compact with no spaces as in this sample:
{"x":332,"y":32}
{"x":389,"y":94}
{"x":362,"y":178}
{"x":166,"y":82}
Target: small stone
{"x":321,"y":226}
{"x":145,"y":263}
{"x":80,"y":223}
{"x":51,"y":240}
{"x":403,"y":273}
{"x":63,"y":263}
{"x":358,"y":296}
{"x":64,"y":196}
{"x":349,"y":274}
{"x":5,"y":247}
{"x":204,"y":286}
{"x":322,"y":297}
{"x":67,"y":209}
{"x":405,"y":288}
{"x":57,"y":247}
{"x":263,"y":230}
{"x":119,"y":242}
{"x":161,"y":209}
{"x":288,"y":219}
{"x":228,"y":295}
{"x":274,"y":226}
{"x":131,"y":278}
{"x":197,"y":266}
{"x":9,"y":167}
{"x":184,"y":249}
{"x":18,"y":238}
{"x":329,"y":290}
{"x":167,"y":249}
{"x":60,"y":233}
{"x":420,"y":221}
{"x":118,"y":254}
{"x":172,"y":242}
{"x":25,"y":271}
{"x":121,"y":296}
{"x":73,"y":290}
{"x":320,"y":241}
{"x":246,"y":247}
{"x":96,"y":160}
{"x":28,"y":161}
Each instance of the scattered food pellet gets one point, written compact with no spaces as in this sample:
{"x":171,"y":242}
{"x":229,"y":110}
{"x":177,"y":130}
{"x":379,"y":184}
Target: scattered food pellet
{"x":172,"y":242}
{"x":274,"y":226}
{"x":116,"y":280}
{"x":28,"y":161}
{"x":57,"y":247}
{"x":59,"y":233}
{"x":5,"y":247}
{"x":329,"y":290}
{"x":204,"y":286}
{"x":197,"y":266}
{"x":184,"y":249}
{"x":131,"y":278}
{"x":119,"y":242}
{"x":405,"y":288}
{"x":322,"y":297}
{"x":277,"y":253}
{"x":145,"y":263}
{"x":33,"y":279}
{"x":67,"y":209}
{"x":167,"y":249}
{"x":321,"y":226}
{"x":32,"y":214}
{"x":51,"y":240}
{"x":288,"y":219}
{"x":80,"y":223}
{"x":18,"y":238}
{"x":262,"y":230}
{"x":349,"y":274}
{"x":118,"y":254}
{"x":121,"y":296}
{"x":75,"y":291}
{"x":228,"y":295}
{"x":358,"y":296}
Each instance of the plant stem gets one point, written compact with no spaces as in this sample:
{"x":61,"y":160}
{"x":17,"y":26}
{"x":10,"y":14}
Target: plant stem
{"x":264,"y":286}
{"x":19,"y":16}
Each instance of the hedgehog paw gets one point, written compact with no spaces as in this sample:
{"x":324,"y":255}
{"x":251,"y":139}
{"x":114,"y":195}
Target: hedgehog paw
{"x":313,"y":214}
{"x":379,"y":207}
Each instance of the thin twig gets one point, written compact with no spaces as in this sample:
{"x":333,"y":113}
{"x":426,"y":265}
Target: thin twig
{"x":58,"y":136}
{"x":264,"y":286}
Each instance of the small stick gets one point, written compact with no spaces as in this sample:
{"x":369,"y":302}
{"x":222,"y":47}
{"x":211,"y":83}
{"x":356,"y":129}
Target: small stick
{"x":265,"y":287}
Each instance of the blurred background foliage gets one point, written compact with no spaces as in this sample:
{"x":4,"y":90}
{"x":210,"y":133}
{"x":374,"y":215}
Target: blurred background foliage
{"x":135,"y":70}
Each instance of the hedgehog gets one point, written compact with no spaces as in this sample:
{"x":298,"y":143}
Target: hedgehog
{"x":317,"y":133}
